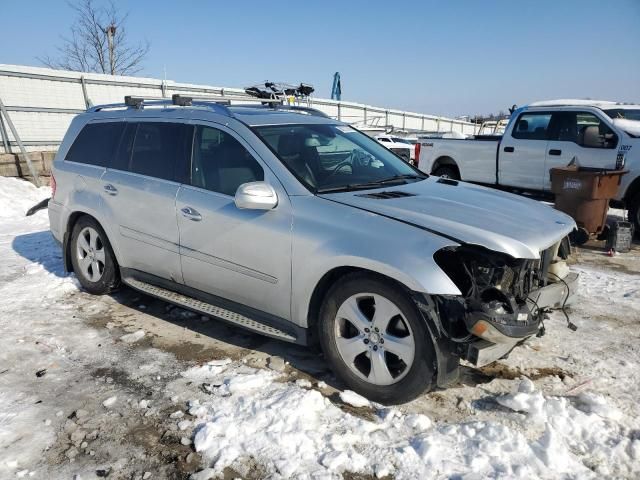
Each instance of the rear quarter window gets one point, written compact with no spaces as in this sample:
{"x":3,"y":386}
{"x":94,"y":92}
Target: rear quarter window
{"x":96,"y":143}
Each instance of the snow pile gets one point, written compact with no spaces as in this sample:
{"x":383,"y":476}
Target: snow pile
{"x":132,"y":337}
{"x":578,"y":431}
{"x":353,"y":399}
{"x":292,"y":431}
{"x":16,"y":197}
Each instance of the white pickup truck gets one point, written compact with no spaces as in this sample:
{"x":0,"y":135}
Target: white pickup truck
{"x":543,"y":135}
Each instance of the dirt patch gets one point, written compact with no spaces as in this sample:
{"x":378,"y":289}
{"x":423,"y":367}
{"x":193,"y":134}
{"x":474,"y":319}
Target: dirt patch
{"x":362,"y":476}
{"x":122,"y":379}
{"x":499,"y":370}
{"x":187,"y":351}
{"x":366,"y":413}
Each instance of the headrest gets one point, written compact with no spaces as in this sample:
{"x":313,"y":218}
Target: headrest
{"x":290,"y":144}
{"x":591,"y":136}
{"x":523,"y":126}
{"x":311,"y":142}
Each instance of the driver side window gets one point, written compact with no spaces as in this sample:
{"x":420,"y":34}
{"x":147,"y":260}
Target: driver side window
{"x":220,"y":163}
{"x":582,"y":128}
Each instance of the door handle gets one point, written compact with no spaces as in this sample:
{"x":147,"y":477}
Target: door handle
{"x":509,"y":149}
{"x":191,"y":214}
{"x":110,"y":189}
{"x":554,"y":151}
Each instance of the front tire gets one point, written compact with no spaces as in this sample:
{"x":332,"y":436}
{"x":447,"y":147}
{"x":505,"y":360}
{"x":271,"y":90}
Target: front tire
{"x":376,"y":340}
{"x":92,"y":258}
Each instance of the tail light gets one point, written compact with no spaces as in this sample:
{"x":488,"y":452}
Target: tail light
{"x":416,"y":161}
{"x":53,"y":186}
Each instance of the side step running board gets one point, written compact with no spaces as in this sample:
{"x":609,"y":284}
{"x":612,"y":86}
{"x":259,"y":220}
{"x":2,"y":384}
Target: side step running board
{"x":209,"y":309}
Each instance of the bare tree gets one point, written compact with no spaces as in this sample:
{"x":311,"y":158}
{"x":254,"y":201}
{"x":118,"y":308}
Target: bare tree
{"x":98,"y":43}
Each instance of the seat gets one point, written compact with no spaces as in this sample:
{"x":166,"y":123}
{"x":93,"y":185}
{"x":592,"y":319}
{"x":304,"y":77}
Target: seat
{"x":523,"y":126}
{"x":590,"y":137}
{"x":291,"y":149}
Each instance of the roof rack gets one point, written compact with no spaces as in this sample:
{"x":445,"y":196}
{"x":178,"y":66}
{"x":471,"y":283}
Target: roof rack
{"x":217,"y":104}
{"x":139,"y":103}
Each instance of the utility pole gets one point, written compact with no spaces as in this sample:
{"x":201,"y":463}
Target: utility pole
{"x":111,"y":31}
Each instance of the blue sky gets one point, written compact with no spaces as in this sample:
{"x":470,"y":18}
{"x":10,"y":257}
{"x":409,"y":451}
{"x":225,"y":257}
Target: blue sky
{"x":450,"y":58}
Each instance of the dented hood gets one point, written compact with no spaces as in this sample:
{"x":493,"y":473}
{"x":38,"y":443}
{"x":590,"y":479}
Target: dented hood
{"x":467,"y":213}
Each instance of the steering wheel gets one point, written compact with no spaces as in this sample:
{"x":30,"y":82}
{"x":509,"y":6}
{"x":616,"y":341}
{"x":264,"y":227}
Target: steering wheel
{"x":339,"y":166}
{"x":357,"y":158}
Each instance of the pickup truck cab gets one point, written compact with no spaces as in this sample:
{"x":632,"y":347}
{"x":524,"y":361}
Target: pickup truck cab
{"x":541,"y":136}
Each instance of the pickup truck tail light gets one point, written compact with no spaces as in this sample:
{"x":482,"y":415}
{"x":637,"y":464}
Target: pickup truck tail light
{"x":416,"y":160}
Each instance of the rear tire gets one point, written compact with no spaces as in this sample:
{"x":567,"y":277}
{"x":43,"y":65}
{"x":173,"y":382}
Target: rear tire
{"x":447,"y":171}
{"x":390,"y":365}
{"x":92,"y":258}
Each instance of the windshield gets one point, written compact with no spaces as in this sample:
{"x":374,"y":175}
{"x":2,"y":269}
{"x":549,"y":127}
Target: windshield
{"x":336,"y":157}
{"x":626,"y":113}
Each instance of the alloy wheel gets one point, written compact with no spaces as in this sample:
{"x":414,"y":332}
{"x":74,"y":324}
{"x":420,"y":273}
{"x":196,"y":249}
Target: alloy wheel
{"x":374,"y":338}
{"x":91,"y":254}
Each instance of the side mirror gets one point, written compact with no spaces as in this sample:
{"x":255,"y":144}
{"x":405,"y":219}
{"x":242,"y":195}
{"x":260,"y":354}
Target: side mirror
{"x":256,"y":196}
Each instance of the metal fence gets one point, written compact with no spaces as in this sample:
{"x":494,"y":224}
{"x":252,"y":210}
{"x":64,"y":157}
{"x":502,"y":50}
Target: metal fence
{"x":41,"y":103}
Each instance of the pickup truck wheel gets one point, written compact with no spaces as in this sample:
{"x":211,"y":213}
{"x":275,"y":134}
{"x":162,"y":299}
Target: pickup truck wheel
{"x":92,"y":257}
{"x":447,"y":171}
{"x":634,"y":213}
{"x":375,"y":339}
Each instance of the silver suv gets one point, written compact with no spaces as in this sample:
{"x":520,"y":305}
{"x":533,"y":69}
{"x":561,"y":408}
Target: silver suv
{"x":290,"y":224}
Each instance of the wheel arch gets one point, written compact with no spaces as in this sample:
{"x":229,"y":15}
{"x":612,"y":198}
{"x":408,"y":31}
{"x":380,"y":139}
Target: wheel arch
{"x":73,"y":218}
{"x":445,"y":160}
{"x":446,"y":362}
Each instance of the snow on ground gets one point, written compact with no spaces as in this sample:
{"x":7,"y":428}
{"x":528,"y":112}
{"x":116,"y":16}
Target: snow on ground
{"x":104,"y":385}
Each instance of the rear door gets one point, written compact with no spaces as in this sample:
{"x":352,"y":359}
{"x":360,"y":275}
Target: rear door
{"x":139,"y":190}
{"x":522,"y":153}
{"x":239,"y":255}
{"x":582,"y":135}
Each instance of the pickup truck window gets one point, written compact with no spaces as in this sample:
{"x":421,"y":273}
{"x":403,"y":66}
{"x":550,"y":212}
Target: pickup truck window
{"x":582,"y":128}
{"x":532,"y":126}
{"x":626,"y":113}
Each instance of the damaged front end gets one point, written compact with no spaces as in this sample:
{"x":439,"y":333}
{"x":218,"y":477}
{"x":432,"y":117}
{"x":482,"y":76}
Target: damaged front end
{"x":504,"y":299}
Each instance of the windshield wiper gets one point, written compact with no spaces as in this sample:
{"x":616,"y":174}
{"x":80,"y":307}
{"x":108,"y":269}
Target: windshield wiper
{"x":410,"y":176}
{"x":373,"y":184}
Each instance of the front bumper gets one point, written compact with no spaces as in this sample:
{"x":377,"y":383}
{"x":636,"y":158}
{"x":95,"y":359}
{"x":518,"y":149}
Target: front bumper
{"x":496,"y":341}
{"x":555,"y":295}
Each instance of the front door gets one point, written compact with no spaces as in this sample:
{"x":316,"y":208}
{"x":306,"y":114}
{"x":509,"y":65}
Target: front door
{"x":240,"y":255}
{"x":583,"y":136}
{"x":522,"y":154}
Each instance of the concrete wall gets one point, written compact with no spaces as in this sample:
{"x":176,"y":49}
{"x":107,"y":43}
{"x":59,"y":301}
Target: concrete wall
{"x":41,"y":103}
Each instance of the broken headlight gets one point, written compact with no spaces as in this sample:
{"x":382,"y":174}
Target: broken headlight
{"x":494,"y":289}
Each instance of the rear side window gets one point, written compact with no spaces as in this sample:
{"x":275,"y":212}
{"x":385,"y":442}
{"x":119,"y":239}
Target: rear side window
{"x":532,"y":126}
{"x":156,"y":149}
{"x":96,"y":143}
